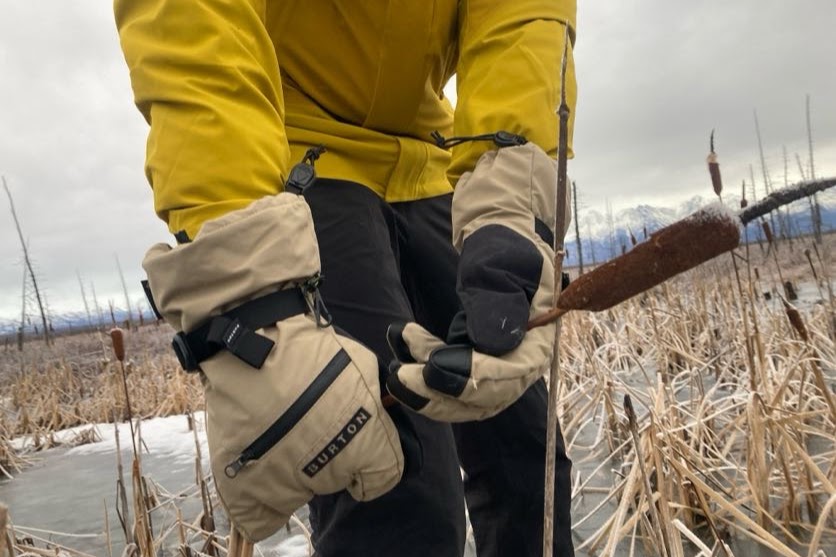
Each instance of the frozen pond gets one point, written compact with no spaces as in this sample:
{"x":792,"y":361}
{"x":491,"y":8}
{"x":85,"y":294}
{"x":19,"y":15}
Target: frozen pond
{"x":67,"y":491}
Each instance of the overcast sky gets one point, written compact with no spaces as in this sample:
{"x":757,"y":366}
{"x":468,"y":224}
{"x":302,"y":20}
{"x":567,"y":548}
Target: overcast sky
{"x":655,"y":77}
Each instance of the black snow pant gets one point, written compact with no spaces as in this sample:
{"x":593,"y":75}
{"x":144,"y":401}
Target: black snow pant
{"x":384,"y":263}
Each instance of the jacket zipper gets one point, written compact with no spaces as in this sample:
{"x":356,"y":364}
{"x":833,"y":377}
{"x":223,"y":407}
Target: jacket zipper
{"x":282,"y":426}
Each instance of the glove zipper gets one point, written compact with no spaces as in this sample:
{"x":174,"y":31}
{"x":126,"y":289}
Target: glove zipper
{"x":282,"y":426}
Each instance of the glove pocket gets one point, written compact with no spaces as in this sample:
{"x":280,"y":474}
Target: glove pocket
{"x":279,"y":435}
{"x":360,"y":450}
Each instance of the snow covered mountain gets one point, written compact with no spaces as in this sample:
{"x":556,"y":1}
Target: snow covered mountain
{"x":606,"y":236}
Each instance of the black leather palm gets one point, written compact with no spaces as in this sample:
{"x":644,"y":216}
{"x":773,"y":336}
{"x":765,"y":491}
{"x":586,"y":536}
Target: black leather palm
{"x":499,"y":272}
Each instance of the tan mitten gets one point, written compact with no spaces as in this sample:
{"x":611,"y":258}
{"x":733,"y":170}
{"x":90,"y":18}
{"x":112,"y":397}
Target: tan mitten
{"x":293,"y":408}
{"x":503,"y":215}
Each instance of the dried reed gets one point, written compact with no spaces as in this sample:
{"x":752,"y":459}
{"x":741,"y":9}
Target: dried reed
{"x":732,"y":433}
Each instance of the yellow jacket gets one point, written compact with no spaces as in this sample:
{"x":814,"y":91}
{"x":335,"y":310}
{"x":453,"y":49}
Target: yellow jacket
{"x":237,"y":90}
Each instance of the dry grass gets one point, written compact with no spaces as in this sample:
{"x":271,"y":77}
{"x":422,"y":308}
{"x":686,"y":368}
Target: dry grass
{"x":78,"y":382}
{"x":733,"y":434}
{"x":736,"y":426}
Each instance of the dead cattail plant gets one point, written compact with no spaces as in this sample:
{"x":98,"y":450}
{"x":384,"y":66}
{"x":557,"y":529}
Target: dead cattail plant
{"x":714,"y":169}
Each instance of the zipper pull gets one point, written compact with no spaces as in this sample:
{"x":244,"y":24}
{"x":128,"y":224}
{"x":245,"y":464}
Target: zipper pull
{"x":231,"y":470}
{"x":310,"y":289}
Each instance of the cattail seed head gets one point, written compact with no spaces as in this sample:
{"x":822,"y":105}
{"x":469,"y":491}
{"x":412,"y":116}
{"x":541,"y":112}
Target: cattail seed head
{"x":628,"y":408}
{"x":796,"y":320}
{"x":117,"y":337}
{"x":714,"y":169}
{"x":767,"y":231}
{"x":714,"y":172}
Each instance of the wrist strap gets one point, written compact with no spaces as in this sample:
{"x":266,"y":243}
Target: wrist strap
{"x":235,"y":330}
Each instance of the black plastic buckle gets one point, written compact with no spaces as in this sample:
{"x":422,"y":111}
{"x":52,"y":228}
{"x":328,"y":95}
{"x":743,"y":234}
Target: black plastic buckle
{"x":235,"y":330}
{"x":508,"y":139}
{"x":245,"y":344}
{"x":184,"y":354}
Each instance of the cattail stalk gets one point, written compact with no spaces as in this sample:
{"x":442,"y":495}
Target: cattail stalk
{"x":714,"y":169}
{"x":554,"y":377}
{"x":122,"y":509}
{"x":108,"y":541}
{"x":808,"y":255}
{"x":657,"y":534}
{"x":578,"y":242}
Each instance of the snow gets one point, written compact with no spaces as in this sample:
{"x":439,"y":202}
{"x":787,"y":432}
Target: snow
{"x":295,"y":546}
{"x":720,"y":211}
{"x":593,"y":224}
{"x":167,"y":437}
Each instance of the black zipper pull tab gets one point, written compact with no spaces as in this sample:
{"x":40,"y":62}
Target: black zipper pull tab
{"x":321,"y":314}
{"x":316,"y":305}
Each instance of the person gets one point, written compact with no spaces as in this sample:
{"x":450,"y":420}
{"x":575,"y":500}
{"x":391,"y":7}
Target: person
{"x":236,"y":93}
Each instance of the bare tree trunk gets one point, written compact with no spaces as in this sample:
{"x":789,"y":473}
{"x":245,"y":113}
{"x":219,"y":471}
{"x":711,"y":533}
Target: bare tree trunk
{"x":758,"y":235}
{"x":611,"y":228}
{"x":767,"y":184}
{"x":97,"y":307}
{"x":786,"y":211}
{"x":28,"y":264}
{"x":577,"y":226}
{"x":84,"y":299}
{"x":22,"y":328}
{"x":591,"y":243}
{"x":125,"y":291}
{"x":112,"y":314}
{"x":814,"y":202}
{"x":815,"y":216}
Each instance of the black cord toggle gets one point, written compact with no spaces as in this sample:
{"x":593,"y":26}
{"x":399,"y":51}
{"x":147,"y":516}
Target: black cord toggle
{"x":500,"y":139}
{"x":303,"y":174}
{"x":312,"y":155}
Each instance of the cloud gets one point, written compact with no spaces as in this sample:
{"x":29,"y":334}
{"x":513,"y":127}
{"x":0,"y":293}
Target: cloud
{"x":71,"y":150}
{"x":655,"y":78}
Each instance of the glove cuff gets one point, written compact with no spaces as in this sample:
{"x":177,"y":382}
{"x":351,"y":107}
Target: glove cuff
{"x":238,"y":257}
{"x":508,"y":186}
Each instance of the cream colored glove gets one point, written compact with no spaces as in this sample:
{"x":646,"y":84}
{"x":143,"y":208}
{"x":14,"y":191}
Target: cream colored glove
{"x":503,"y":213}
{"x":293,"y":408}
